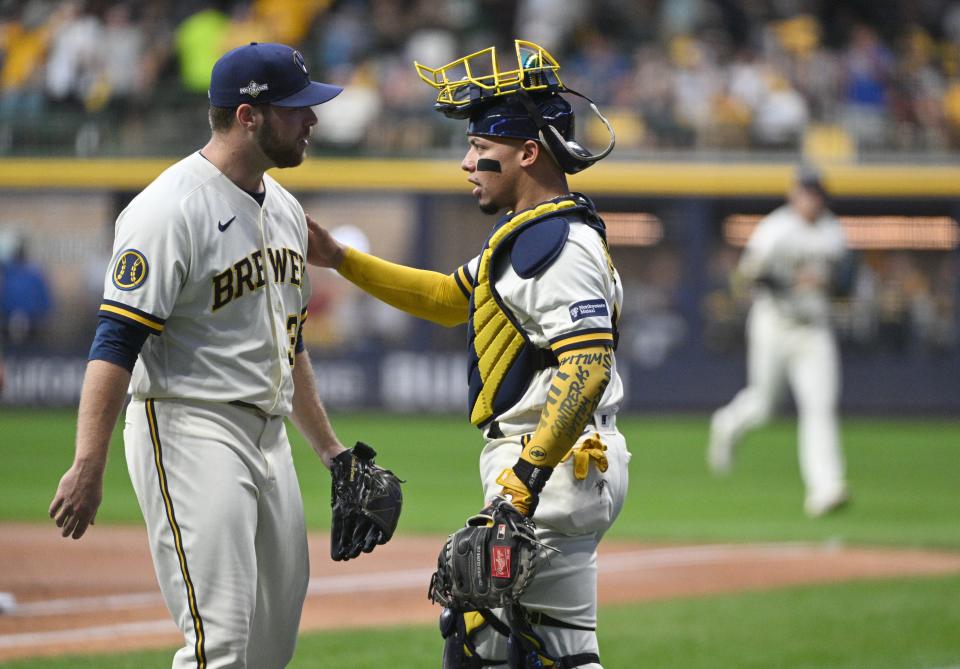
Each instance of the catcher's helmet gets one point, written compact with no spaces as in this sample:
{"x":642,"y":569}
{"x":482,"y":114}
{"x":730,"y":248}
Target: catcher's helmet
{"x":523,"y":103}
{"x":508,"y":116}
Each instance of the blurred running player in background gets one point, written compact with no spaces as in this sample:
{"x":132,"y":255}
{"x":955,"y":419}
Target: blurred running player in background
{"x":795,"y":261}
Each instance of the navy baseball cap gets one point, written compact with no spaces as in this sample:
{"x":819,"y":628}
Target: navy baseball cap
{"x":266,"y":74}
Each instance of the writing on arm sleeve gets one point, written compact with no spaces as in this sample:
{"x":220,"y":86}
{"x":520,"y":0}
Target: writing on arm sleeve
{"x":575,"y":392}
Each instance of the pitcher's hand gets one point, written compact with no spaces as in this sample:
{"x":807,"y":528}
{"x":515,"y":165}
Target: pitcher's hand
{"x":78,"y":497}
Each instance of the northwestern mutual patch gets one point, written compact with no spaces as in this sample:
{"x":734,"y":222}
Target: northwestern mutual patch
{"x":588,"y":309}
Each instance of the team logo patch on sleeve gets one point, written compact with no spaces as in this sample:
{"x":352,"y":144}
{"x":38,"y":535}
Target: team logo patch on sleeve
{"x":588,"y":309}
{"x":130,"y":271}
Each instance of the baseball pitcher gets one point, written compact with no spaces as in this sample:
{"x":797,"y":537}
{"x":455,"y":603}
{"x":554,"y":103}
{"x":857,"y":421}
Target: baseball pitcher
{"x":201,"y":317}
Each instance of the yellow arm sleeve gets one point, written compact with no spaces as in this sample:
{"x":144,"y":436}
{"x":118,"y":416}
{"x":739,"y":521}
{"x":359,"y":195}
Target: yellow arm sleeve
{"x":419,"y":292}
{"x":577,"y":386}
{"x":575,"y":392}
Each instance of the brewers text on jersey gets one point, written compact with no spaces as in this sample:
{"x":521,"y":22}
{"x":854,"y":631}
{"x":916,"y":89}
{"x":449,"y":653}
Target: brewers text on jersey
{"x":247,"y":274}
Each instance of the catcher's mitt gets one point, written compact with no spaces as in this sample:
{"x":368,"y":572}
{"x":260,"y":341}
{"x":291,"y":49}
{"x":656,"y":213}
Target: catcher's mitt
{"x":488,"y":563}
{"x":365,"y":500}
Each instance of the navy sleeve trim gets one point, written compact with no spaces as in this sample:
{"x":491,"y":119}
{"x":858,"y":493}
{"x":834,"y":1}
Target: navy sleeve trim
{"x":580,"y":333}
{"x":582,"y":339}
{"x":118,"y":341}
{"x":463,"y":281}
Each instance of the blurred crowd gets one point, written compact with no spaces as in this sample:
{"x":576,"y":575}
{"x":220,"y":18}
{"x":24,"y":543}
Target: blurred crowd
{"x":839,"y":78}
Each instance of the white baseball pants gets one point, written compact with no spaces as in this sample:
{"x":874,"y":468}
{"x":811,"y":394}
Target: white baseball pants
{"x":572,"y":516}
{"x":224,"y":517}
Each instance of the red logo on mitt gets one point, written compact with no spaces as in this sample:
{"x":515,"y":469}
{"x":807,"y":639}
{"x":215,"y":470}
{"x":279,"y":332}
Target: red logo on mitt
{"x":500,"y":564}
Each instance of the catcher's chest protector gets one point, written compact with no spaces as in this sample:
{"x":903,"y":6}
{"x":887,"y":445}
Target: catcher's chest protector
{"x":502,"y":358}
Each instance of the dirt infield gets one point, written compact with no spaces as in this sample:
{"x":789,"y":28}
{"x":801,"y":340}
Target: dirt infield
{"x":100,"y":594}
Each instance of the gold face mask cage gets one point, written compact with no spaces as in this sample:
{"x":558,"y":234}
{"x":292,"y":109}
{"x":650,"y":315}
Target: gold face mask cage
{"x":468,"y":83}
{"x":478,"y":76}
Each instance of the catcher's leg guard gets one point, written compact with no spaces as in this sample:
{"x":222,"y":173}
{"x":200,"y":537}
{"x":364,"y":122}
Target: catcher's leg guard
{"x":527,"y":650}
{"x":459,"y":629}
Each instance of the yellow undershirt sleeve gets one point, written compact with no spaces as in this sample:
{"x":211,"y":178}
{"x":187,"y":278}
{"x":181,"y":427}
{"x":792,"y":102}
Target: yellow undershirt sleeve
{"x":419,"y":292}
{"x":580,"y":380}
{"x":575,"y":392}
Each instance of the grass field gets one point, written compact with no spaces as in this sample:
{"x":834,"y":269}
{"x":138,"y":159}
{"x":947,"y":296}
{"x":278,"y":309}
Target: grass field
{"x":903,"y":474}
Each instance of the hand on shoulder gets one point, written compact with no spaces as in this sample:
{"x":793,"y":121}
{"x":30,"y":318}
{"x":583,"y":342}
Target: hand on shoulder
{"x":322,"y":249}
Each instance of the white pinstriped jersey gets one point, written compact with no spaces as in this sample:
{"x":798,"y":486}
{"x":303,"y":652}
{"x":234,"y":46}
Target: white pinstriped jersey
{"x":219,"y":280}
{"x":580,"y":291}
{"x":784,"y":245}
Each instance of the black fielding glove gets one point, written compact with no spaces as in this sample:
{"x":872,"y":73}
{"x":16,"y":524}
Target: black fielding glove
{"x":365,"y":502}
{"x":489,"y":562}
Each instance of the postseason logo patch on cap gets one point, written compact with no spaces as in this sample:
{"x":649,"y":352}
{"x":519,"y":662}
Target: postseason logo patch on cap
{"x":588,"y":309}
{"x":266,"y":73}
{"x":253,"y":89}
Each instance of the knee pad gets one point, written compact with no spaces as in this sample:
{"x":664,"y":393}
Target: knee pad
{"x":459,"y":630}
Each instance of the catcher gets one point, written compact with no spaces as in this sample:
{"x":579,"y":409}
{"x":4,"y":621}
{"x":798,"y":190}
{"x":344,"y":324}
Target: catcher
{"x":541,"y":302}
